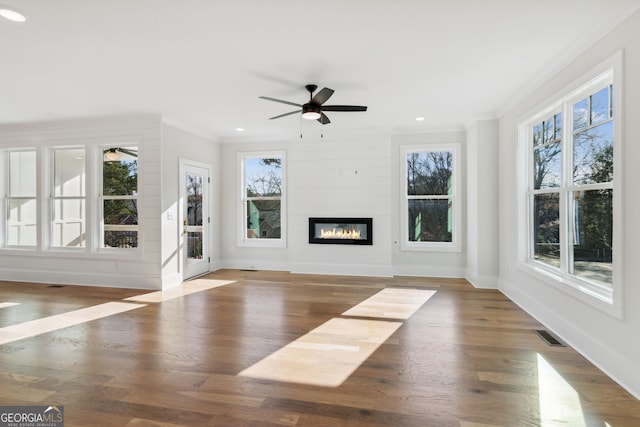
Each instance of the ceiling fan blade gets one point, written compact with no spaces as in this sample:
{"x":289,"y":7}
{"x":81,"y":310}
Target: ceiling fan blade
{"x":322,"y":96}
{"x":285,"y":114}
{"x":280,"y":101}
{"x":344,"y":108}
{"x":324,"y":119}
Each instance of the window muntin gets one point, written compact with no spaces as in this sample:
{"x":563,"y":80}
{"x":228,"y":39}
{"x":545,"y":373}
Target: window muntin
{"x":262,"y":198}
{"x":430,"y":217}
{"x":22,"y":203}
{"x":120,"y":197}
{"x":68,"y":198}
{"x":570,"y":194}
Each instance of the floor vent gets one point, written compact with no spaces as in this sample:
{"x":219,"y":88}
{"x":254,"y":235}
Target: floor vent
{"x":55,"y":286}
{"x":549,"y":338}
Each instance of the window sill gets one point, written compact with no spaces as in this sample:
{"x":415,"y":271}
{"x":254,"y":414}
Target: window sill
{"x":593,"y":295}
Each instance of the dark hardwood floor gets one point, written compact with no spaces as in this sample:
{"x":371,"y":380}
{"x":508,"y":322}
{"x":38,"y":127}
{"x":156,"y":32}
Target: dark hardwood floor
{"x":466,"y":358}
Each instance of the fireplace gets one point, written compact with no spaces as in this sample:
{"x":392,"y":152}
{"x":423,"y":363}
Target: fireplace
{"x":341,"y":231}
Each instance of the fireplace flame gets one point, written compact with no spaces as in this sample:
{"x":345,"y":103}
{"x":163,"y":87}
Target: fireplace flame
{"x":339,"y":233}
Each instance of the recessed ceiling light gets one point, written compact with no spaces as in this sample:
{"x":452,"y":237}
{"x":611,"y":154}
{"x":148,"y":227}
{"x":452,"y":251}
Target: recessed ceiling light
{"x":419,"y":119}
{"x":239,"y":129}
{"x":12,"y":15}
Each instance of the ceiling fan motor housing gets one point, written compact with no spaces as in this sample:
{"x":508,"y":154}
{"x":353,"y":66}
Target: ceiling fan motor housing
{"x":311,"y":107}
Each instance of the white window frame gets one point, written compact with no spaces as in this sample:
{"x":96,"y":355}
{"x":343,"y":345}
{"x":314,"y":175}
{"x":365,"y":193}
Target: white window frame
{"x":101,"y":198}
{"x":607,"y":299}
{"x":243,"y":240}
{"x":456,"y":239}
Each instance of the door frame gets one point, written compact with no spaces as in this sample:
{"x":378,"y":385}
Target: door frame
{"x":185,"y":164}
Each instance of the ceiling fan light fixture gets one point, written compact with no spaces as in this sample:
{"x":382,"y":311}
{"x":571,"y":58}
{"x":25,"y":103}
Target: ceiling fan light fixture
{"x":311,"y":111}
{"x":12,"y":15}
{"x":311,"y":115}
{"x":112,"y":155}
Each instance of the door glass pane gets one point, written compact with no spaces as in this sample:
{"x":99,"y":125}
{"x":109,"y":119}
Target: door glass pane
{"x":430,"y":220}
{"x":263,"y":219}
{"x":546,"y":228}
{"x":593,"y":235}
{"x":194,"y":216}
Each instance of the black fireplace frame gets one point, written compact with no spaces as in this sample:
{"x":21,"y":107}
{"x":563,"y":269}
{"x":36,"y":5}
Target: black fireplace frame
{"x":368,"y":222}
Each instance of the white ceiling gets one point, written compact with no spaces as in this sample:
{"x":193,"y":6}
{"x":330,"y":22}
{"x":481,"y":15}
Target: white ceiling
{"x":203,"y":63}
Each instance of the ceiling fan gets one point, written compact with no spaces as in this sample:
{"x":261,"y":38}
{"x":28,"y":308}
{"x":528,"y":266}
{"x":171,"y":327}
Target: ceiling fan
{"x":314,"y":109}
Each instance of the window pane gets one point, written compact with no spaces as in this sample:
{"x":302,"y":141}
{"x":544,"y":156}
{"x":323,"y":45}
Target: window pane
{"x":263,"y":177}
{"x":593,"y":235}
{"x":68,"y":224}
{"x":69,"y":173}
{"x":120,"y":224}
{"x":430,"y":220}
{"x":558,"y":126}
{"x":546,"y":228}
{"x":120,"y":176}
{"x":548,"y":133}
{"x":21,"y":222}
{"x":547,"y":166}
{"x":537,"y":134}
{"x":600,"y":106}
{"x":263,"y":219}
{"x":123,"y":239}
{"x":429,"y":173}
{"x":22,"y":174}
{"x":120,"y":212}
{"x":593,"y":155}
{"x":580,"y":114}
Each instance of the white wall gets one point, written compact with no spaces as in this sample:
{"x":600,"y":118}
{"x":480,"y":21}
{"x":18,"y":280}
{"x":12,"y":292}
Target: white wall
{"x":340,"y":178}
{"x":482,"y":204}
{"x":610,"y":343}
{"x":140,"y":269}
{"x":180,"y":145}
{"x":351,"y":177}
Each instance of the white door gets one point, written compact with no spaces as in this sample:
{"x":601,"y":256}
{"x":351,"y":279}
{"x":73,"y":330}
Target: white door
{"x":195,"y":218}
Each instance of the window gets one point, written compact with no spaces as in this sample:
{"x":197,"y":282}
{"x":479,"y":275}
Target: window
{"x":262,"y":199}
{"x":68,"y":198}
{"x":120,"y":197}
{"x":430,"y":205}
{"x":22,"y":203}
{"x":570,"y":189}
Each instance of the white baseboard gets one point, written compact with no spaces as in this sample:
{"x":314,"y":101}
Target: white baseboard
{"x":482,"y":281}
{"x":68,"y":277}
{"x":343,"y":269}
{"x":618,"y":368}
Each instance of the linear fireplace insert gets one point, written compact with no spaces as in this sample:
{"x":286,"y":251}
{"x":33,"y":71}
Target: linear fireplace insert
{"x":341,"y":231}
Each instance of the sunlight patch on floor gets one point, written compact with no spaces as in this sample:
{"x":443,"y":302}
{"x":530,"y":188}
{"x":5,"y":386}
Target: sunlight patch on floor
{"x":559,"y":402}
{"x":186,"y":288}
{"x":8,"y":304}
{"x":327,"y":355}
{"x":391,"y":303}
{"x":59,"y":321}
